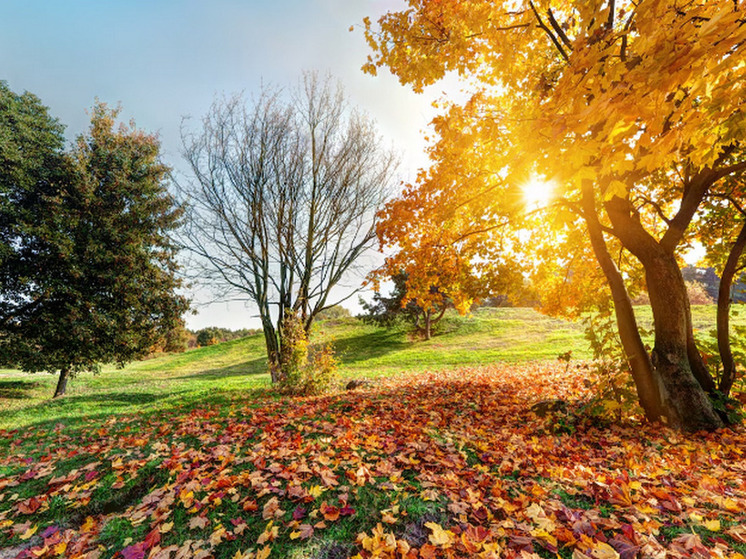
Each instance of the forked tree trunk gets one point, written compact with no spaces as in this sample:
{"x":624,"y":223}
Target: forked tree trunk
{"x":723,"y":313}
{"x":62,"y":383}
{"x":685,"y":402}
{"x":678,"y":369}
{"x":637,"y":356}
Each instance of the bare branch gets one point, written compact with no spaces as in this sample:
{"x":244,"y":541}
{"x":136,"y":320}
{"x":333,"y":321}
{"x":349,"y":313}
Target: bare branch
{"x":548,"y":31}
{"x":284,"y":198}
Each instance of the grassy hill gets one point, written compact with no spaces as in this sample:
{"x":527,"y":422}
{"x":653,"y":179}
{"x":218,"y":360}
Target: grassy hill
{"x":487,"y":336}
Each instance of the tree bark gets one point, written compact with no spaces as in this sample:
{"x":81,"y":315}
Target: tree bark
{"x":723,"y":313}
{"x":273,"y":350}
{"x":629,"y":333}
{"x":62,"y":383}
{"x":685,"y":401}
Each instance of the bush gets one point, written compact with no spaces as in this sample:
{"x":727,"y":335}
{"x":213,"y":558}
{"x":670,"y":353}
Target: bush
{"x":698,"y":293}
{"x":333,"y":313}
{"x":613,"y":392}
{"x":300,"y":374}
{"x":215,"y":335}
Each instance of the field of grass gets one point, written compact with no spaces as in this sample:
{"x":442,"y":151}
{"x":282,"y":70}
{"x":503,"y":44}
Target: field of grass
{"x":487,"y":336}
{"x":191,"y":455}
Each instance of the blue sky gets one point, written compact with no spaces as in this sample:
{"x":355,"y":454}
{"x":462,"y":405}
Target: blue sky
{"x":167,"y":59}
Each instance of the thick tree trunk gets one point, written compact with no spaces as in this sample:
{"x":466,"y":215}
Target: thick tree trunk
{"x":62,"y":383}
{"x":685,"y":402}
{"x":428,"y":333}
{"x":723,"y":313}
{"x":675,"y":358}
{"x":629,"y":334}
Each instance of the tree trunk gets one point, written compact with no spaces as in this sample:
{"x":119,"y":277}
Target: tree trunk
{"x":273,"y":350}
{"x":428,"y":321}
{"x":62,"y":383}
{"x":723,"y":313}
{"x":685,"y":402}
{"x":637,"y":356}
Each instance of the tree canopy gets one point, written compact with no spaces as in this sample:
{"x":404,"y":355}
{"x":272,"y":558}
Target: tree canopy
{"x":634,"y":112}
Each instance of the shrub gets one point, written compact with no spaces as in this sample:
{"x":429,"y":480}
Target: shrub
{"x":333,"y":313}
{"x":698,"y":293}
{"x":301,"y":374}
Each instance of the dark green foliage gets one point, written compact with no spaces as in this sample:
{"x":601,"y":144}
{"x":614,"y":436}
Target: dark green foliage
{"x":395,"y":309}
{"x":91,"y":276}
{"x":31,"y":165}
{"x":215,"y":335}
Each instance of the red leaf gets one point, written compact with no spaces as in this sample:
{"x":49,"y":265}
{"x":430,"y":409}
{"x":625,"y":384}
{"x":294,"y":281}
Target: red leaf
{"x":331,"y":513}
{"x":29,"y":506}
{"x":136,"y":551}
{"x":347,"y":510}
{"x":299,"y":513}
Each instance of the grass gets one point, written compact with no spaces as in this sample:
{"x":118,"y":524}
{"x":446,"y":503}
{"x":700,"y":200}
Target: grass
{"x":240,"y":366}
{"x":487,"y":336}
{"x":203,"y":422}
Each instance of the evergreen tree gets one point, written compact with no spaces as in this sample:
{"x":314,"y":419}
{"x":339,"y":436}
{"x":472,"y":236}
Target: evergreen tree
{"x":96,"y":279}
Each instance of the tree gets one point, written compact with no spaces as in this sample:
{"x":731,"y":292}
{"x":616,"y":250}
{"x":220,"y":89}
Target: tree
{"x":388,"y":311}
{"x":633,"y":109}
{"x":284,"y":200}
{"x":94,"y":270}
{"x":724,"y":218}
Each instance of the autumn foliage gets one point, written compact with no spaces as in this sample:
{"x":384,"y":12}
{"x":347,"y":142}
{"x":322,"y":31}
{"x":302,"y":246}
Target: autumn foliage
{"x":632,"y":110}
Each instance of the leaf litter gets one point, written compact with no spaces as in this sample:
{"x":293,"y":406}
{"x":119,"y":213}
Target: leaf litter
{"x":446,"y":464}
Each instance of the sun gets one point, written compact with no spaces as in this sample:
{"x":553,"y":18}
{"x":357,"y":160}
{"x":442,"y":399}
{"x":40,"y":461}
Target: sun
{"x":537,"y":192}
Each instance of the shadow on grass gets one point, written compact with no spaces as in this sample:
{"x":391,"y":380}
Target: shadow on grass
{"x":358,"y":349}
{"x":250,"y":367}
{"x":15,"y":389}
{"x":18,"y":385}
{"x":180,"y":403}
{"x":115,"y":398}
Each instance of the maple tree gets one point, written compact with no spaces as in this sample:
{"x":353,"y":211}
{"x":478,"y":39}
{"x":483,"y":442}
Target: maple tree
{"x":388,"y":311}
{"x":632,"y":109}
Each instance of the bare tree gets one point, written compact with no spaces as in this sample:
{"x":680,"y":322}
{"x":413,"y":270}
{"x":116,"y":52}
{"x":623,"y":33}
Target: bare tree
{"x":284,"y":199}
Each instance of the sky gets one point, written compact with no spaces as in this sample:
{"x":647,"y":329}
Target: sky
{"x":166,"y":60}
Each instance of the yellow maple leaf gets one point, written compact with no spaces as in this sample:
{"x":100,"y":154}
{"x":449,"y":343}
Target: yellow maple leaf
{"x":712,"y":525}
{"x":440,"y":537}
{"x":29,"y":532}
{"x":264,"y":552}
{"x":604,"y":551}
{"x":88,"y":525}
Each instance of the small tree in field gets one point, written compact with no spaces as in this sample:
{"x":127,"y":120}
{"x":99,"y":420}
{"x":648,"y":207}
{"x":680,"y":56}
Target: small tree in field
{"x":389,"y":311}
{"x":94,"y":273}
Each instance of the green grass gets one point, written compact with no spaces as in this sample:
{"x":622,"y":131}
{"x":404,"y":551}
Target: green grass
{"x":240,"y":366}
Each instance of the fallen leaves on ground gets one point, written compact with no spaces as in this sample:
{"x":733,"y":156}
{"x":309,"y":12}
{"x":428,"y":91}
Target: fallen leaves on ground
{"x":450,"y":464}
